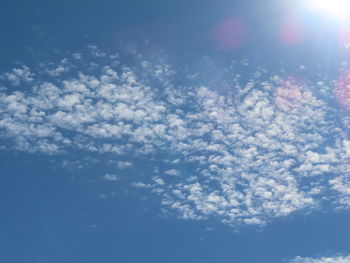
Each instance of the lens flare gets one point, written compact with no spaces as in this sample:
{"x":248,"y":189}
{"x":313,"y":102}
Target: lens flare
{"x":291,"y":32}
{"x":230,"y":34}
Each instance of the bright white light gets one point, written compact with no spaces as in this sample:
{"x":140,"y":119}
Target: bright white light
{"x":338,"y":8}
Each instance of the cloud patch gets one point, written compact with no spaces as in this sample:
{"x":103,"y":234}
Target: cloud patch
{"x":257,"y":151}
{"x":340,"y":259}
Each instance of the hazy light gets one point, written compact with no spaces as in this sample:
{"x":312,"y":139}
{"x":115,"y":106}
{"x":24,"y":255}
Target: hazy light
{"x":342,"y":90}
{"x":338,"y":8}
{"x":230,"y":34}
{"x":291,"y":32}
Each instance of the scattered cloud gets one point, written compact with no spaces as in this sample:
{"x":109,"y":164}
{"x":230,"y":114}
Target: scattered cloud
{"x":265,"y":149}
{"x":18,"y":76}
{"x":111,"y":177}
{"x":340,"y":259}
{"x":124,"y":165}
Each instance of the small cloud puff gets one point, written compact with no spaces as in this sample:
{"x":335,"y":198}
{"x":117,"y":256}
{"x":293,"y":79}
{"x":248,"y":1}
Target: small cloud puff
{"x":18,"y":76}
{"x":124,"y":165}
{"x":111,"y":177}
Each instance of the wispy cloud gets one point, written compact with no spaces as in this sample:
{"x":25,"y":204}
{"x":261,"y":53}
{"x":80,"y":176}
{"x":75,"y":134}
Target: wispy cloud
{"x":339,"y":259}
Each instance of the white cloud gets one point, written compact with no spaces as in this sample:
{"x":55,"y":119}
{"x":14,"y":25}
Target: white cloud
{"x":266,"y":150}
{"x":18,"y":76}
{"x":172,"y":172}
{"x":339,"y":259}
{"x":111,"y":177}
{"x":95,"y":51}
{"x":124,"y":165}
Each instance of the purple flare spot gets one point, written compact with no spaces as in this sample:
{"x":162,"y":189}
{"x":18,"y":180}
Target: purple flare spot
{"x":342,"y":90}
{"x":290,"y":32}
{"x":230,"y":34}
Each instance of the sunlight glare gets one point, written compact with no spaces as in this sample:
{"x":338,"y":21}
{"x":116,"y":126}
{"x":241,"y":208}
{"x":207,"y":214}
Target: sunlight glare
{"x":338,"y":8}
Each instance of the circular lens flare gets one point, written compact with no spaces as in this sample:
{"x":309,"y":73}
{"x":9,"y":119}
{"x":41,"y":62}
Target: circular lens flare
{"x":338,"y":8}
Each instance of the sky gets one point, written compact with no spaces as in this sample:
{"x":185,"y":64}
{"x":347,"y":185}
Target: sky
{"x":175,"y":131}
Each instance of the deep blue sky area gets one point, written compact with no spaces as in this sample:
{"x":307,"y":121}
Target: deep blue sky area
{"x":259,"y":175}
{"x":49,"y":217}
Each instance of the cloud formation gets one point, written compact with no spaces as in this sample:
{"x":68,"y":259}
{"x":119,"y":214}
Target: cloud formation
{"x":340,"y":259}
{"x":265,"y":149}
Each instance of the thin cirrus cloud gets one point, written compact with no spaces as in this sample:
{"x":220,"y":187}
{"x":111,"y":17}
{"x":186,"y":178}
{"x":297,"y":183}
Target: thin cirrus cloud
{"x":270,"y":148}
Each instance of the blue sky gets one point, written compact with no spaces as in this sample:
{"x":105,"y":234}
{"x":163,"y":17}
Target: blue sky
{"x":174,"y":131}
